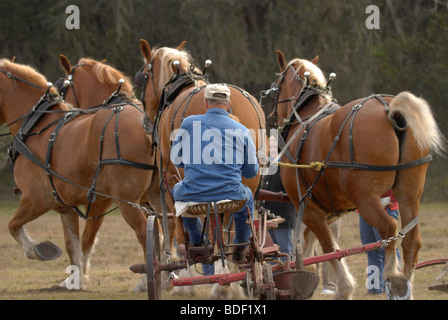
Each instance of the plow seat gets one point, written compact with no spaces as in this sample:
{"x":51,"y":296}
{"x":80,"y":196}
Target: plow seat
{"x":199,"y":210}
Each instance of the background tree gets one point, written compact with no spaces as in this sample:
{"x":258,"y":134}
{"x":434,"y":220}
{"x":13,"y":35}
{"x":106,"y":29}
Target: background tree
{"x":408,"y":52}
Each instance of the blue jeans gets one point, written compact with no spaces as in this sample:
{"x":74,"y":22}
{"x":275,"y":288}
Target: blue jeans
{"x":375,"y":258}
{"x":242,"y":229}
{"x":283,"y":238}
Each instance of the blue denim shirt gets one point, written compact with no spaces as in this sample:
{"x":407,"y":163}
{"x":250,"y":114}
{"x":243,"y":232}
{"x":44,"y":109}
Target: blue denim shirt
{"x":215,"y":152}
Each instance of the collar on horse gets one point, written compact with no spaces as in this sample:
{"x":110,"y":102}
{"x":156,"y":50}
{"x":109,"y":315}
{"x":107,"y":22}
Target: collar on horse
{"x":170,"y":91}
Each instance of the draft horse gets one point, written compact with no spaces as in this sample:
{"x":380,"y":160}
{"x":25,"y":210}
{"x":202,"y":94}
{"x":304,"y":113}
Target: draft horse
{"x":368,"y":147}
{"x":65,"y":158}
{"x":93,"y":85}
{"x":173,"y":91}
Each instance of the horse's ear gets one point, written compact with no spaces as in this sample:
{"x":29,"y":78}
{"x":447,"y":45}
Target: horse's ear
{"x":13,"y":59}
{"x":65,"y":64}
{"x":103,"y":61}
{"x":281,"y":61}
{"x":315,"y":60}
{"x":145,"y":50}
{"x":181,"y":46}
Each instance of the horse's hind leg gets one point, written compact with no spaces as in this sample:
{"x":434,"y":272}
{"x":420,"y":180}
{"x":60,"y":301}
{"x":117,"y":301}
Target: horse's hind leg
{"x":408,"y":190}
{"x":90,"y":231}
{"x":70,"y":226}
{"x":376,"y":216}
{"x":137,"y":221}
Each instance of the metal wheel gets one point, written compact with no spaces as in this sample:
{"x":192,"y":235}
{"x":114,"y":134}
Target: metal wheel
{"x":153,"y":259}
{"x":249,"y":286}
{"x":268,"y":279}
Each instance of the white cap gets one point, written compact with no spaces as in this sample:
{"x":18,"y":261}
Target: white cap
{"x":217,"y":91}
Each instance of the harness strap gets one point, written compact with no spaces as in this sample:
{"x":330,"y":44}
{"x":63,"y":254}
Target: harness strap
{"x":372,"y":167}
{"x":68,"y":117}
{"x":19,"y":146}
{"x":15,"y":78}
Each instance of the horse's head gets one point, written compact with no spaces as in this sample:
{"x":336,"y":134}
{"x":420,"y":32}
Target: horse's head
{"x":90,"y":82}
{"x":158,"y":69}
{"x":293,"y":77}
{"x":21,"y":86}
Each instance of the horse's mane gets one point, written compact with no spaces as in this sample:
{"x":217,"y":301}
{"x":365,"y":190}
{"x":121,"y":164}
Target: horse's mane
{"x":316,"y":76}
{"x":26,"y":72}
{"x":108,"y":75}
{"x":316,"y":72}
{"x":167,"y":57}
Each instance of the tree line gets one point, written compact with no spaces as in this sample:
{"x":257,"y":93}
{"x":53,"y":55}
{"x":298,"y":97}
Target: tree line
{"x":407,"y":52}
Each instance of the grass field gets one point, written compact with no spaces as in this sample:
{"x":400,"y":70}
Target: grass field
{"x":117,"y":249}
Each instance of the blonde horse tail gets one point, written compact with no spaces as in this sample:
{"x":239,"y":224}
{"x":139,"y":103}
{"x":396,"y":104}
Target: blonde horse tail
{"x":409,"y":111}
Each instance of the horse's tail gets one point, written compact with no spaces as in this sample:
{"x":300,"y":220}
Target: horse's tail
{"x":409,"y":111}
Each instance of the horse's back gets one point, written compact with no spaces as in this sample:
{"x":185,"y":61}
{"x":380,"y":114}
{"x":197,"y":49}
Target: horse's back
{"x":191,"y":102}
{"x":366,"y":137}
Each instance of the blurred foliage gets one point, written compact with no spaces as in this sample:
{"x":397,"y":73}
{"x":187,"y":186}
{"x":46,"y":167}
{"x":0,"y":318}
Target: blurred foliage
{"x":408,"y":52}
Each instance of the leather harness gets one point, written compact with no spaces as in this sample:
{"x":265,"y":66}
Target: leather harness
{"x":115,"y":103}
{"x":308,"y":92}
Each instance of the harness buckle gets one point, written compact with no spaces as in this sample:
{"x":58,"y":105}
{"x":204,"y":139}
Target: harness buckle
{"x":52,"y":137}
{"x":68,"y":115}
{"x":357,"y":107}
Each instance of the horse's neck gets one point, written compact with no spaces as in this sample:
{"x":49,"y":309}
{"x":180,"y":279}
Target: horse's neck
{"x":23,"y":106}
{"x":17,"y":105}
{"x":93,"y":96}
{"x":312,"y":107}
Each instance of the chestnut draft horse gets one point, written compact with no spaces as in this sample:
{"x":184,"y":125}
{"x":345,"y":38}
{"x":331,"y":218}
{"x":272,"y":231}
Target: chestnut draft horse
{"x":65,"y":159}
{"x":181,"y":87}
{"x":93,"y":85}
{"x":368,"y":147}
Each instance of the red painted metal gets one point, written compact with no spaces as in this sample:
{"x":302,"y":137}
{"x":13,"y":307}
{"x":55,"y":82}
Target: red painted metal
{"x":431,"y":263}
{"x":224,"y":279}
{"x":341,"y":254}
{"x":266,"y":195}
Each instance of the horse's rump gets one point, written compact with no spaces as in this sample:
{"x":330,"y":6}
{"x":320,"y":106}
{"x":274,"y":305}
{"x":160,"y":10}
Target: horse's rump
{"x":191,"y":102}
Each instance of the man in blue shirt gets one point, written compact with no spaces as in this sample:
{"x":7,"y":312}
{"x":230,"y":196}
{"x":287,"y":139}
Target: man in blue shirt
{"x":215,"y":152}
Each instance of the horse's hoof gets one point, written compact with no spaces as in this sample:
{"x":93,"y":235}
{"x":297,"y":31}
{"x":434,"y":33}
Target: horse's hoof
{"x":398,"y":288}
{"x":48,"y":250}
